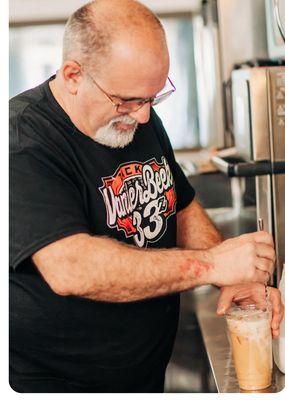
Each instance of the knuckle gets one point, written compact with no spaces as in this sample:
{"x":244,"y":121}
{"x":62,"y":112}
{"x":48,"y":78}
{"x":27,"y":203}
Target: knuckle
{"x":266,"y":237}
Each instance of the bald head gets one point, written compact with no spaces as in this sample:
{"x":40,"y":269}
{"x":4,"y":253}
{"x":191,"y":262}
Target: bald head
{"x":95,"y":30}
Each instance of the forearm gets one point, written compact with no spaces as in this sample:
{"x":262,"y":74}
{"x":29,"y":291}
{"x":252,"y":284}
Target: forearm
{"x":102,"y":269}
{"x":195,"y":230}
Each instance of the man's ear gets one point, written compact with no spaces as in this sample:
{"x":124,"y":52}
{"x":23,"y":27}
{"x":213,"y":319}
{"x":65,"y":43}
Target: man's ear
{"x":72,"y":76}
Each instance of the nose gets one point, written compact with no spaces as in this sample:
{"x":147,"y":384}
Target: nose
{"x":142,"y":115}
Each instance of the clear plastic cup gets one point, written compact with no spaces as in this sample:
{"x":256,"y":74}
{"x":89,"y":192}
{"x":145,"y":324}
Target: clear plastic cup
{"x":249,"y":330}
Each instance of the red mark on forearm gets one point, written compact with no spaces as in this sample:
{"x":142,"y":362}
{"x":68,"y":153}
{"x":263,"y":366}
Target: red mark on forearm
{"x":194,"y":267}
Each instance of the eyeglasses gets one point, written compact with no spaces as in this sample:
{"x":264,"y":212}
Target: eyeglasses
{"x":133,"y":105}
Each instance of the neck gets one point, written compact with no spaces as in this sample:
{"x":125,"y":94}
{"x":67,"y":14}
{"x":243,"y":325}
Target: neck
{"x":65,"y":101}
{"x":57,"y":94}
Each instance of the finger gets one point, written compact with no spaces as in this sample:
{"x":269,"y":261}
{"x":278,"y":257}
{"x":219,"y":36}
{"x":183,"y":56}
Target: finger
{"x":225,"y":299}
{"x":261,"y":276}
{"x":277,"y":310}
{"x":263,"y":237}
{"x":275,"y":333}
{"x":265,"y":251}
{"x":264,"y":264}
{"x":251,"y":293}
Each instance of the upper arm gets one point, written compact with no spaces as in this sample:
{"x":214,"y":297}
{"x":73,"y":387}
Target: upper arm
{"x":45,"y":203}
{"x":195,"y":230}
{"x":59,"y":262}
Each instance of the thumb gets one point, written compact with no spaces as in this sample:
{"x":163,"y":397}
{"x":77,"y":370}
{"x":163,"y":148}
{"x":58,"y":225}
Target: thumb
{"x":225,"y":300}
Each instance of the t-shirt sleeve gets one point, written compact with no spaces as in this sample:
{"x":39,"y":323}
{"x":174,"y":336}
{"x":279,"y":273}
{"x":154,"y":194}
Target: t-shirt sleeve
{"x":184,"y":191}
{"x":45,"y":202}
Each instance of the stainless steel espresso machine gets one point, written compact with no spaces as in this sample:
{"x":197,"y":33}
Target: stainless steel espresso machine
{"x":258,"y":109}
{"x":256,"y":125}
{"x":258,"y":96}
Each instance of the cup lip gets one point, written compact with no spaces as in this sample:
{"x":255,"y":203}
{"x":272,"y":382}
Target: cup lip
{"x":261,"y":311}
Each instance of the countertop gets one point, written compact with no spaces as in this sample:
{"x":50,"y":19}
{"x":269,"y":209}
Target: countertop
{"x":213,"y":329}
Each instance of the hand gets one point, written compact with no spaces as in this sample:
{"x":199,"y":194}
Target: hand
{"x":253,"y":293}
{"x":246,"y":258}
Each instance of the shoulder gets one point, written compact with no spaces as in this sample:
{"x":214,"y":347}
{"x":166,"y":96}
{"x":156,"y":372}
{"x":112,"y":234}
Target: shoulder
{"x":23,"y":110}
{"x":23,"y":102}
{"x":34,"y":121}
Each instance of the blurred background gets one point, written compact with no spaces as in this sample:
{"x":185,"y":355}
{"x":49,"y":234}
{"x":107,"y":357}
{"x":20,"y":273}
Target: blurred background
{"x":36,"y":31}
{"x":226,"y":122}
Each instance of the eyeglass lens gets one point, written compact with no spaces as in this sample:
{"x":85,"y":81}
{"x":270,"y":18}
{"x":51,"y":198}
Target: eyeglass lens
{"x":133,"y":106}
{"x":162,"y":97}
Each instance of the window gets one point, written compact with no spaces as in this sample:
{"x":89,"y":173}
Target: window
{"x":35,"y":54}
{"x":180,"y":113}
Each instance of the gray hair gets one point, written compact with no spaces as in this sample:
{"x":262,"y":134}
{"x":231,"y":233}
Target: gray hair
{"x":82,"y":36}
{"x":90,"y":30}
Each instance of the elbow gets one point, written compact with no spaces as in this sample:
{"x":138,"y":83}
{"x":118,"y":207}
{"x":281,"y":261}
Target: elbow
{"x":61,"y":289}
{"x":59,"y":276}
{"x":60,"y":285}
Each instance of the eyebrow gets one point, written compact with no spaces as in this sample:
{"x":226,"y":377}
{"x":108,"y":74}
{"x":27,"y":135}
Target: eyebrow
{"x":129,"y":98}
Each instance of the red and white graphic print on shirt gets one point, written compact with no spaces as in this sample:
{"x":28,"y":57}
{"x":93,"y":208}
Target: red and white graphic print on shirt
{"x":139,"y":198}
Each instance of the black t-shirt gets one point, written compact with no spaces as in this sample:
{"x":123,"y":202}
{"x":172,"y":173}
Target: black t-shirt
{"x":63,"y":183}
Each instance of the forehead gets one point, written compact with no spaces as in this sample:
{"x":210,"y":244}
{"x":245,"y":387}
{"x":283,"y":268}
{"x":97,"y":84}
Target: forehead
{"x":135,"y":69}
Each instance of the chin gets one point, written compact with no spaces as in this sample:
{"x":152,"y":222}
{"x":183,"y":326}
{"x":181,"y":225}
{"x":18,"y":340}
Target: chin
{"x":114,"y":138}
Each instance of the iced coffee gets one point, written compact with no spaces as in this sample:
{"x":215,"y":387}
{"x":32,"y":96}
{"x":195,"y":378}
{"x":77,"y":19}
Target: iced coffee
{"x":251,"y":342}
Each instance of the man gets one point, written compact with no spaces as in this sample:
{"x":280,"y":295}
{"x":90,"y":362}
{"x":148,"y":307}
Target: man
{"x":105,"y":230}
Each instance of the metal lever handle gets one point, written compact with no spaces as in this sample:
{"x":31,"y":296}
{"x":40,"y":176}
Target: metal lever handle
{"x":260,"y":224}
{"x":278,"y":19}
{"x":261,"y":228}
